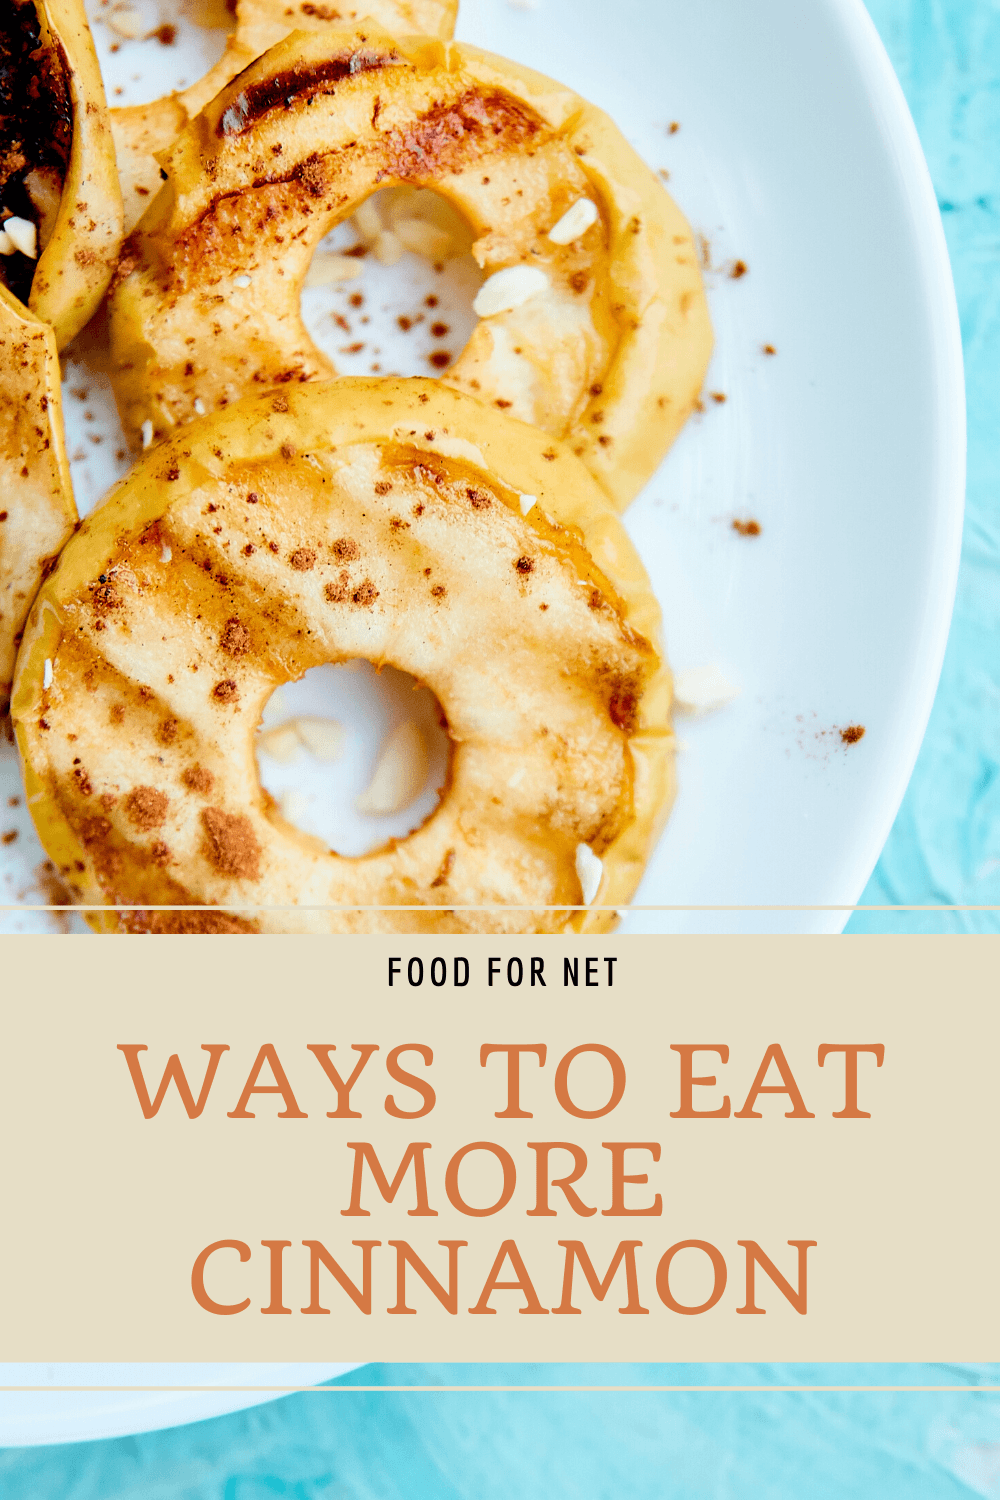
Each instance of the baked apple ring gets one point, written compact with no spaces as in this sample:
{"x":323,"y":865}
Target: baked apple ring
{"x":37,"y":513}
{"x":62,"y":207}
{"x":140,"y":130}
{"x":593,"y":323}
{"x":324,"y":523}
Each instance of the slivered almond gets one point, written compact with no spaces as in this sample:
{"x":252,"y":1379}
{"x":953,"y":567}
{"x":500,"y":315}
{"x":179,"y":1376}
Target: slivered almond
{"x":400,"y":772}
{"x":574,"y":222}
{"x":128,"y":23}
{"x":323,"y":738}
{"x":701,"y":690}
{"x":328,"y":267}
{"x":507,"y":289}
{"x":23,"y":236}
{"x":368,"y":221}
{"x":423,"y":238}
{"x":388,"y":249}
{"x":281,"y":743}
{"x":589,"y":872}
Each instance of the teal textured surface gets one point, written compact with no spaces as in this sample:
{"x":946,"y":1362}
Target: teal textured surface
{"x":944,"y":848}
{"x":756,"y":1445}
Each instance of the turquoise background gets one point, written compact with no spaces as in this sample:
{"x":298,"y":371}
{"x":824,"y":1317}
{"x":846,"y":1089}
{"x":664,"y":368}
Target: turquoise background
{"x":944,"y":848}
{"x":945,"y":845}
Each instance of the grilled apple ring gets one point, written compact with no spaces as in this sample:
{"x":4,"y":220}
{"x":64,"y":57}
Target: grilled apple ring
{"x":140,"y":130}
{"x":62,"y":207}
{"x":37,"y":513}
{"x":321,"y":524}
{"x":593,"y":321}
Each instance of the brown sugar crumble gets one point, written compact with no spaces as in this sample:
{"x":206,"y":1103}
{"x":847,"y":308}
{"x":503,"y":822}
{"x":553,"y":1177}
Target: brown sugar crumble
{"x":9,"y":837}
{"x":747,"y":528}
{"x":366,"y":595}
{"x":166,"y":35}
{"x":346,"y":549}
{"x":303,"y":559}
{"x":146,"y":807}
{"x":231,"y":844}
{"x":718,"y":396}
{"x":235,"y":638}
{"x":440,"y":359}
{"x":226,"y":691}
{"x":739,"y":268}
{"x":197,"y":779}
{"x":525,"y":565}
{"x":770,"y":349}
{"x":852,"y":734}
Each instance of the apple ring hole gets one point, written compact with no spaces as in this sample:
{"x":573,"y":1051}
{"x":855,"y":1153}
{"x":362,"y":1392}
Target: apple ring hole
{"x":353,"y":755}
{"x":390,"y":291}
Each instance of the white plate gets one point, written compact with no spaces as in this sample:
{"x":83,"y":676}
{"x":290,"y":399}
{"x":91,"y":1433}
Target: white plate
{"x":795,"y":154}
{"x":36,"y":1417}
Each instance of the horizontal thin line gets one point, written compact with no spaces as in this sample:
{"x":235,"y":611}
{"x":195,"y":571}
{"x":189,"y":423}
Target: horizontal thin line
{"x":537,"y":906}
{"x":989,"y":1390}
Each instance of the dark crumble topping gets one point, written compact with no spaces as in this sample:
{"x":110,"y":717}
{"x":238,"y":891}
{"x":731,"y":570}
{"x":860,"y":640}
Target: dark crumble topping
{"x":339,"y":592}
{"x":346,"y":548}
{"x":235,"y":639}
{"x":83,"y":781}
{"x":104,"y":597}
{"x":231,"y":844}
{"x":747,"y":528}
{"x":198,"y":780}
{"x":146,"y":807}
{"x":167,"y":732}
{"x":366,"y":595}
{"x":382,"y":487}
{"x":226,"y":691}
{"x":525,"y":565}
{"x":478,"y":500}
{"x":303,"y":559}
{"x":36,"y":132}
{"x":852,"y":734}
